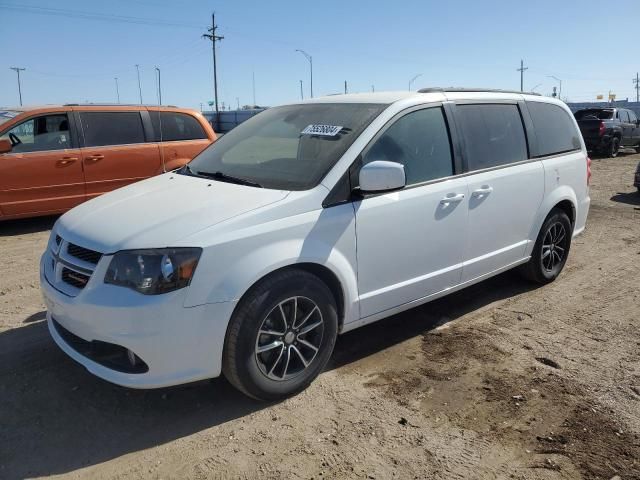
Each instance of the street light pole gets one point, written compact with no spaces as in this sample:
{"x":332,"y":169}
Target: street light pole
{"x":139,"y":86}
{"x":413,"y":80}
{"x":18,"y":70}
{"x":301,"y":91}
{"x":310,"y":58}
{"x":159,"y":87}
{"x":117,"y":89}
{"x":560,"y":82}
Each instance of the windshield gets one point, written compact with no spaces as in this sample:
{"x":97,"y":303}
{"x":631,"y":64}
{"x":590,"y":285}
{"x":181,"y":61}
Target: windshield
{"x":594,"y":114}
{"x":6,"y":115}
{"x":287,"y":148}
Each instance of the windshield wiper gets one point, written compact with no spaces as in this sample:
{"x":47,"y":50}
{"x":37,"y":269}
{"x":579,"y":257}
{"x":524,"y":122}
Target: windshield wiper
{"x":223,"y":177}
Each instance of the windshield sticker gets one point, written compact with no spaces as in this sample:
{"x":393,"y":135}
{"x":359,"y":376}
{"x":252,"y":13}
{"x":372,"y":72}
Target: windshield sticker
{"x":322,"y":130}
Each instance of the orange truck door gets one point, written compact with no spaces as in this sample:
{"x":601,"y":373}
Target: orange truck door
{"x":43,"y":172}
{"x":183,"y":137}
{"x":115,"y":150}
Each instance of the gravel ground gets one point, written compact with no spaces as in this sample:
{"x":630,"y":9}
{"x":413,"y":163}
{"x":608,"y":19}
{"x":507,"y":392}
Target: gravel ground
{"x":501,"y":380}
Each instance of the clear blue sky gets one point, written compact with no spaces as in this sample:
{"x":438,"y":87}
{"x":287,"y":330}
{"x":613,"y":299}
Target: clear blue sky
{"x":71,"y":56}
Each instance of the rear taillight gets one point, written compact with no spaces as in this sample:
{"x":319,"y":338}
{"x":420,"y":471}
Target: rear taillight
{"x":588,"y":171}
{"x":601,"y":129}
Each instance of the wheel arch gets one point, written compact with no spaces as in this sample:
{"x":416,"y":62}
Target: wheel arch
{"x":563,"y":198}
{"x":322,"y":272}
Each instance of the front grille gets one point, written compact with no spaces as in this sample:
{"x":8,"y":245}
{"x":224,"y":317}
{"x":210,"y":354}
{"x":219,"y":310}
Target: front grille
{"x":84,"y":254}
{"x":58,"y":240}
{"x":77,"y":279}
{"x":110,"y":355}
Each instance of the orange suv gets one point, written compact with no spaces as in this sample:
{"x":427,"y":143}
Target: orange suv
{"x":53,"y":158}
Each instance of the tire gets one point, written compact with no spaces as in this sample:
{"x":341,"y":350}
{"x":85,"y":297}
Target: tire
{"x":540,"y":268}
{"x":638,"y":149}
{"x":256,"y":363}
{"x":614,"y":147}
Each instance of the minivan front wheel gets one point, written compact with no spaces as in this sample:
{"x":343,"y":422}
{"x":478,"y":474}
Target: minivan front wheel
{"x":281,"y":335}
{"x":551,"y":249}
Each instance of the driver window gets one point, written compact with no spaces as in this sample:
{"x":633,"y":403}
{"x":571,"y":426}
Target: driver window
{"x":48,"y":132}
{"x":420,"y":142}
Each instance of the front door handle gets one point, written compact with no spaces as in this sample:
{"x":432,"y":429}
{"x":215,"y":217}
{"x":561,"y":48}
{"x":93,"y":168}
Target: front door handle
{"x":64,"y":161}
{"x":452,"y":198}
{"x":94,"y":158}
{"x":484,"y":190}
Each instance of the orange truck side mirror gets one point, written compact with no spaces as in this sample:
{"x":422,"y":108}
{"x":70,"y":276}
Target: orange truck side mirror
{"x":5,"y":145}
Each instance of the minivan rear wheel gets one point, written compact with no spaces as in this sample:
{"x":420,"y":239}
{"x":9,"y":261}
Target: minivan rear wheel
{"x":551,"y":249}
{"x":281,"y":335}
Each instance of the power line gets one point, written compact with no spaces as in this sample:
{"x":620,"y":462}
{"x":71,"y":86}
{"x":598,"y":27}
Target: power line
{"x":84,"y":15}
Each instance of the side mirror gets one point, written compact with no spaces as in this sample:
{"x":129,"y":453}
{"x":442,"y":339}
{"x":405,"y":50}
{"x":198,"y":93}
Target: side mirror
{"x":382,"y":176}
{"x":5,"y":145}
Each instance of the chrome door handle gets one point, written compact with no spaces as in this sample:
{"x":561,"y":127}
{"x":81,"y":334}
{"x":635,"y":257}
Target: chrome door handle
{"x":484,"y":190}
{"x":64,"y":161}
{"x":94,"y":158}
{"x":453,"y":198}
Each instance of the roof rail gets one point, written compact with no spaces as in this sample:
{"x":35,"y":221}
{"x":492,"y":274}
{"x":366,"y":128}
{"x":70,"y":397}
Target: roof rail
{"x":101,"y":104}
{"x":468,"y":89}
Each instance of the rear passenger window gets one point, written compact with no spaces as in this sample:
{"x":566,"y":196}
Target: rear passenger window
{"x":493,"y":135}
{"x":555,"y":130}
{"x":420,"y":142}
{"x":623,"y":116}
{"x":176,"y":126}
{"x":111,"y":128}
{"x":632,"y":117}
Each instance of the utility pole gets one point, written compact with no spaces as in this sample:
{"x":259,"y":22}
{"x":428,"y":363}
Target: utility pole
{"x":521,"y":70}
{"x":253,"y":84}
{"x":560,"y":82}
{"x":345,"y":87}
{"x":373,"y":88}
{"x":117,"y":89}
{"x":637,"y":87}
{"x":214,"y":38}
{"x":139,"y":86}
{"x":301,"y":91}
{"x":238,"y":103}
{"x":310,"y":59}
{"x":159,"y":87}
{"x":200,"y":106}
{"x":18,"y":70}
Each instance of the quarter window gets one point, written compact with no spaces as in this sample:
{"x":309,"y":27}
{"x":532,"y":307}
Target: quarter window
{"x":632,"y":117}
{"x":420,"y":142}
{"x":111,"y":128}
{"x":48,"y":132}
{"x":493,"y":135}
{"x":176,"y":126}
{"x":555,"y":129}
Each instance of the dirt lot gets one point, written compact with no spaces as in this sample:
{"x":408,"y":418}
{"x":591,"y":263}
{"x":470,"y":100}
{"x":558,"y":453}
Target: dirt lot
{"x":502,"y":380}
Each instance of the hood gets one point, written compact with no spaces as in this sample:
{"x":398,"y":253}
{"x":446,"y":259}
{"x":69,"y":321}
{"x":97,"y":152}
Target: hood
{"x":158,"y":212}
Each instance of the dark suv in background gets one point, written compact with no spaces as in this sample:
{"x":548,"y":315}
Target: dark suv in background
{"x":605,"y":130}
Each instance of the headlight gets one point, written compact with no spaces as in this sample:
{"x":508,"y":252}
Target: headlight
{"x":153,"y":271}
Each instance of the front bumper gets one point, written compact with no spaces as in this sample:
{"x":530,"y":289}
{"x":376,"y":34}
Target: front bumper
{"x":178,"y":344}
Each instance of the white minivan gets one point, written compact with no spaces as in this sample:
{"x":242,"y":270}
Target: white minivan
{"x":307,"y":221}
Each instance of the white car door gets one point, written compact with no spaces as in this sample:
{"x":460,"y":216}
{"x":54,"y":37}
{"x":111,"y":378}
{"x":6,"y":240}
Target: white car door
{"x":506,"y":188}
{"x":410,"y":242}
